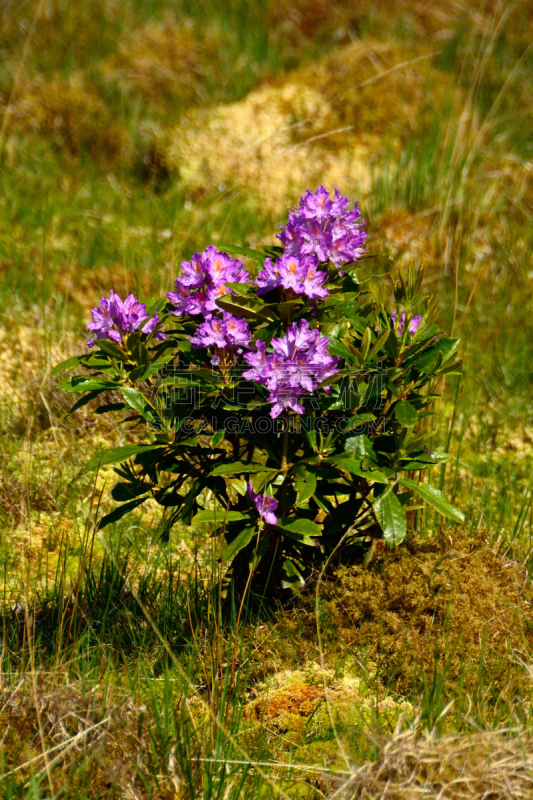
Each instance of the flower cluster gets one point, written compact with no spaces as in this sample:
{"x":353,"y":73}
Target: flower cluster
{"x":113,"y":318}
{"x":299,"y":364}
{"x":203,"y":280}
{"x":293,"y":272}
{"x":228,"y":332}
{"x":414,"y":324}
{"x":324,"y":228}
{"x":265,"y":505}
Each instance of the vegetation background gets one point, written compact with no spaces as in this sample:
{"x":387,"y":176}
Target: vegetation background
{"x":132,"y":134}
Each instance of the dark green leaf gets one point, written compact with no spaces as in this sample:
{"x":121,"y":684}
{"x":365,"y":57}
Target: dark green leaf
{"x":119,"y":454}
{"x":79,"y":384}
{"x":406,"y":413}
{"x":83,"y":402}
{"x":240,"y":541}
{"x":390,"y":516}
{"x":127,"y":491}
{"x":217,"y":516}
{"x":109,"y":407}
{"x":248,"y":306}
{"x":305,"y":487}
{"x":434,"y":498}
{"x":237,"y":468}
{"x":110,"y":349}
{"x":69,"y":363}
{"x":119,"y":512}
{"x":136,"y":400}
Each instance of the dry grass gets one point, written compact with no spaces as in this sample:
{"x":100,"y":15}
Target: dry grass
{"x":494,"y":765}
{"x":98,"y":734}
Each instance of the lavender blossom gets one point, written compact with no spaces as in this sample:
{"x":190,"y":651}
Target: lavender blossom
{"x":114,"y":318}
{"x":299,"y":364}
{"x":414,"y":324}
{"x":203,"y":280}
{"x":264,"y":504}
{"x":325,"y":228}
{"x":291,"y":272}
{"x":217,"y":332}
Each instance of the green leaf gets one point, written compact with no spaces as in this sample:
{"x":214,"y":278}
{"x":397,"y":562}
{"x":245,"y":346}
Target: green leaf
{"x":218,"y":516}
{"x":119,"y":512}
{"x":78,"y":384}
{"x":306,"y":487}
{"x":119,"y":454}
{"x":217,"y":438}
{"x":137,"y":401}
{"x":406,"y":413}
{"x":110,"y":349}
{"x":390,"y":516}
{"x":434,"y":498}
{"x":69,"y":363}
{"x":248,"y":306}
{"x":127,"y":491}
{"x":141,"y":357}
{"x":379,"y":344}
{"x":109,"y":407}
{"x":303,"y":530}
{"x":237,"y":468}
{"x":242,"y":289}
{"x":337,"y":348}
{"x":82,"y":402}
{"x":293,"y":577}
{"x":360,"y":447}
{"x":353,"y":466}
{"x":241,"y":540}
{"x":441,"y":350}
{"x":366,"y":341}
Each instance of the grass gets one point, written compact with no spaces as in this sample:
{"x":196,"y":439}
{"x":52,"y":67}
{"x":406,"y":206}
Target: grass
{"x":121,"y":674}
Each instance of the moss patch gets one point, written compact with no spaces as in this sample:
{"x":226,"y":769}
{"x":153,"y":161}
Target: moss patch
{"x":435,"y":605}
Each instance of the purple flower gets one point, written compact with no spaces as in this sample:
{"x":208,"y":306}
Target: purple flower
{"x":268,"y":278}
{"x":259,"y":361}
{"x":316,"y":206}
{"x":297,"y":273}
{"x":313,"y":281}
{"x":325,"y":228}
{"x":113,"y":318}
{"x":296,"y":338}
{"x":203,"y":280}
{"x":217,"y":332}
{"x":299,"y":364}
{"x":265,"y":505}
{"x":414,"y":324}
{"x":211,"y":333}
{"x":237,"y":330}
{"x":104,"y":318}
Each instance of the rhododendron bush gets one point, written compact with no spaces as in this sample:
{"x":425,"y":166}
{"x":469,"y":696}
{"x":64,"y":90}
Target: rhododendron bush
{"x":284,"y":405}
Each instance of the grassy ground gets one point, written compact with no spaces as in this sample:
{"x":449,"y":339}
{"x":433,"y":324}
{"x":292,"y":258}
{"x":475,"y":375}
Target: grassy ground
{"x":133,"y":134}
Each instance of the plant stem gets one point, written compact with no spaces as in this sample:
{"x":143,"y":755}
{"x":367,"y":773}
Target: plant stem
{"x":285,"y":443}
